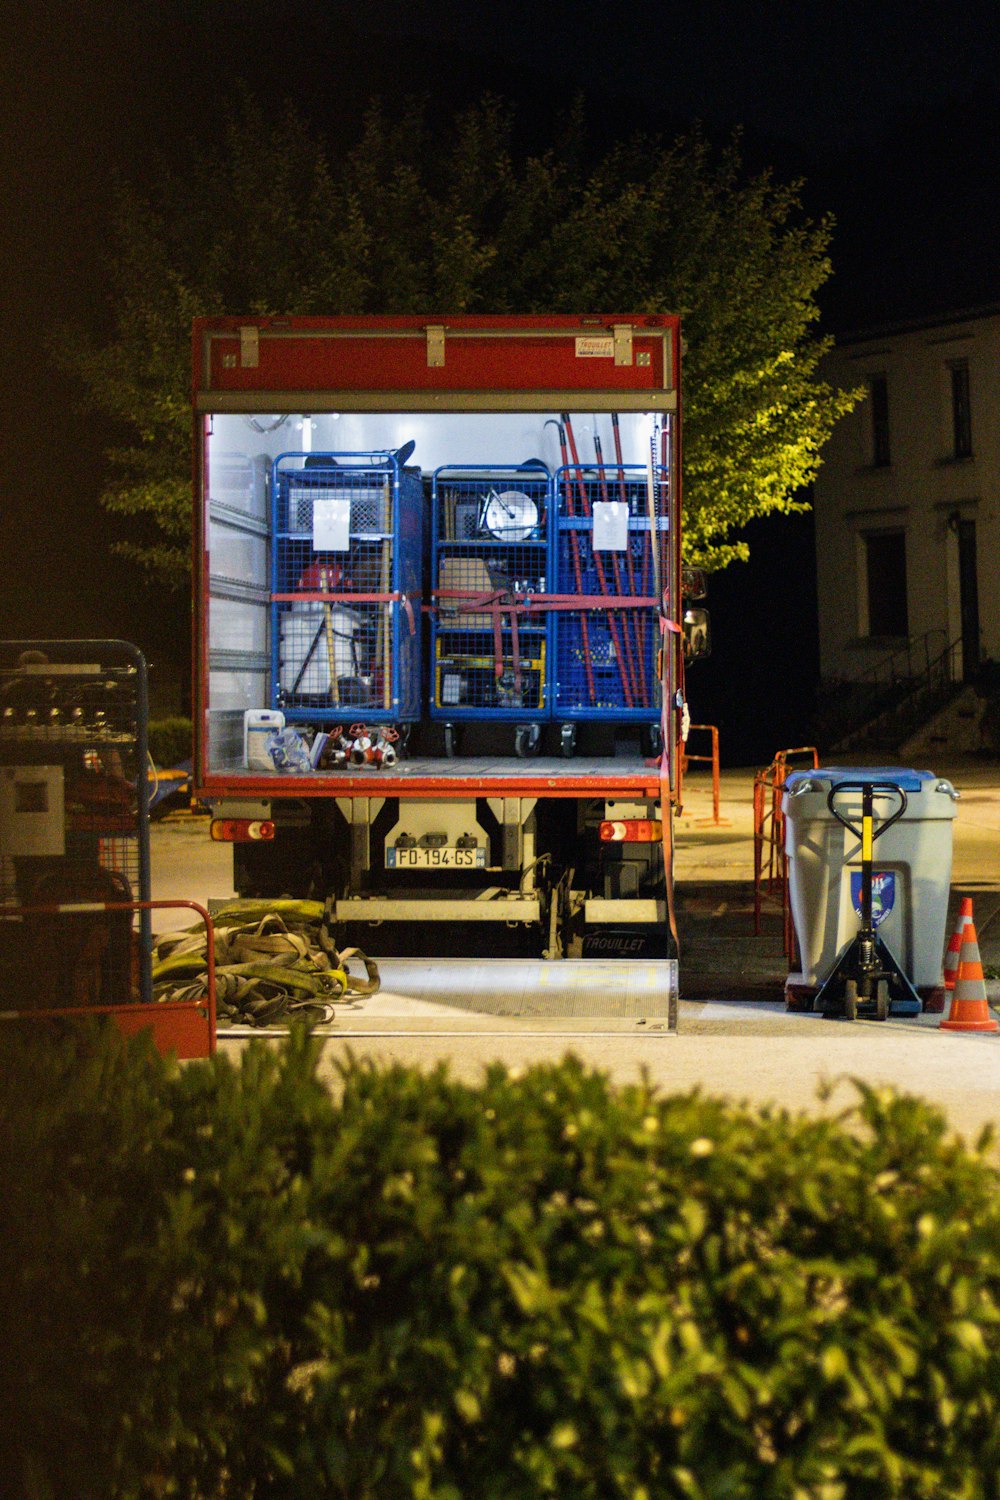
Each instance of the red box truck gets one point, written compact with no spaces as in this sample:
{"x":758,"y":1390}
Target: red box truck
{"x":438,"y":645}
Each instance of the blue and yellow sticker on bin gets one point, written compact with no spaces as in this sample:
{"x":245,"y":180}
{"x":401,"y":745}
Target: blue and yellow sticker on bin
{"x":883,"y":894}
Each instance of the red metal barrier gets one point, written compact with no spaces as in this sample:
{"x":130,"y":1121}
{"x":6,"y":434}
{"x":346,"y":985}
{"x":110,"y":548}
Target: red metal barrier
{"x":712,"y":760}
{"x":769,"y":837}
{"x":94,"y":962}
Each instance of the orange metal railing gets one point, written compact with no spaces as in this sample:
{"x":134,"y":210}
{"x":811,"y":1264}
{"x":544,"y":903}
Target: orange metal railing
{"x":712,"y":759}
{"x":770,"y":862}
{"x":85,"y":952}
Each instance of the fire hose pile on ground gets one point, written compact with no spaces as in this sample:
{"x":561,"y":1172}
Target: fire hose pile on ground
{"x":273,"y":960}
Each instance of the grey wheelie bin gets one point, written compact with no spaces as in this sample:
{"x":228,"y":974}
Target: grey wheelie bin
{"x":911,"y":874}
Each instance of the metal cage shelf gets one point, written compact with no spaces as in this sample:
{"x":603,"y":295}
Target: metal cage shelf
{"x":346,"y":587}
{"x":604,"y":631}
{"x":490,"y":527}
{"x":74,"y":793}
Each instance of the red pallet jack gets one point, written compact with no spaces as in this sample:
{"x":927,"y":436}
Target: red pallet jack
{"x":867,"y":979}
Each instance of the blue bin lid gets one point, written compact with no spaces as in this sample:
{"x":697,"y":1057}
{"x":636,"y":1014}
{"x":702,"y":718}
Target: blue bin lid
{"x":907,"y":780}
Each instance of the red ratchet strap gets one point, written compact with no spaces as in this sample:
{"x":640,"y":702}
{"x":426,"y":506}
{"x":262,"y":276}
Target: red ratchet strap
{"x":590,"y":601}
{"x":522,"y":603}
{"x":406,"y":600}
{"x":497,"y":604}
{"x":666,"y":623}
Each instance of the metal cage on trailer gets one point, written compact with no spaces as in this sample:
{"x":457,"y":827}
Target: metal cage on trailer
{"x":490,"y":568}
{"x":347,"y":535}
{"x":611,"y":536}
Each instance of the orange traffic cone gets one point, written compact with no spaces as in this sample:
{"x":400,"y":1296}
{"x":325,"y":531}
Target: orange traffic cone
{"x":954,"y":950}
{"x":970,"y":1009}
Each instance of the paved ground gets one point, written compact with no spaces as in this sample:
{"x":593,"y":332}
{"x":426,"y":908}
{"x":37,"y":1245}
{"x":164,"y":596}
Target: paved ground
{"x":735,"y":1036}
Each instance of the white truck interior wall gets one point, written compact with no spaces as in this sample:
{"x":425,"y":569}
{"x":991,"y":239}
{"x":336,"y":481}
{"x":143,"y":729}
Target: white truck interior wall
{"x":440,"y":437}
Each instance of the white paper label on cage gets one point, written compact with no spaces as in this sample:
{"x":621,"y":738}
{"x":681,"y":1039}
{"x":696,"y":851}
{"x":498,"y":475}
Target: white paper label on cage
{"x":610,"y":526}
{"x":595,"y":348}
{"x":331,"y":525}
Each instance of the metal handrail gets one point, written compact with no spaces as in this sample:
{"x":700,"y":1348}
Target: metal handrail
{"x":937,"y":669}
{"x":877,"y":672}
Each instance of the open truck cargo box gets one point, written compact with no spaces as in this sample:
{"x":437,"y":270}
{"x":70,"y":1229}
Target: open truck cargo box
{"x":462,"y":535}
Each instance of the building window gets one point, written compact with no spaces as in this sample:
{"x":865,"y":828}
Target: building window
{"x":878,"y":395}
{"x":961,"y":411}
{"x":885,"y":583}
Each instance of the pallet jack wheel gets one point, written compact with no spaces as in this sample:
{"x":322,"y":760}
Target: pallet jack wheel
{"x":882,"y":1000}
{"x":851,"y":1000}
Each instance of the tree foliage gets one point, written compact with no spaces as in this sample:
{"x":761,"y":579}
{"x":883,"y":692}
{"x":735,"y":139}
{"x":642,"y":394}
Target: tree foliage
{"x":413,"y":220}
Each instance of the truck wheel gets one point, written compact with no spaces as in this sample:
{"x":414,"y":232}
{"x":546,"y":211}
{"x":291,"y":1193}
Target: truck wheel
{"x":567,"y":740}
{"x":851,"y":1000}
{"x":882,"y":1001}
{"x":527,"y":740}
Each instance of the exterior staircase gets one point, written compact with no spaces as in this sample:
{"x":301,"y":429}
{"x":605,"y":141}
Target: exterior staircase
{"x":892,"y":707}
{"x":897,"y":724}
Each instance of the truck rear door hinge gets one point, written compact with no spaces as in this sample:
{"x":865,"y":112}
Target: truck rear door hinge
{"x":249,"y":347}
{"x":623,"y":343}
{"x":435,"y":346}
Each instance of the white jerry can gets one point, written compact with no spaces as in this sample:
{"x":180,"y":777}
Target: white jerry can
{"x":258,"y":726}
{"x":306,"y":637}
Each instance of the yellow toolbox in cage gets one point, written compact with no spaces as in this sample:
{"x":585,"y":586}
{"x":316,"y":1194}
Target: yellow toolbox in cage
{"x":462,"y":678}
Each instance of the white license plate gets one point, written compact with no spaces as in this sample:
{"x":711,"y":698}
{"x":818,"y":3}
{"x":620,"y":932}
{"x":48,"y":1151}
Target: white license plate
{"x":435,"y":859}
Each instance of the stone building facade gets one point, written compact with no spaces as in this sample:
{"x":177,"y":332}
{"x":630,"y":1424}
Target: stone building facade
{"x":907,"y":503}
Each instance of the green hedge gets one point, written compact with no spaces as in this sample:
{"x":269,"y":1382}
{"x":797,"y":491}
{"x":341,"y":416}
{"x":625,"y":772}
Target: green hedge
{"x":227,"y":1281}
{"x":169,"y":741}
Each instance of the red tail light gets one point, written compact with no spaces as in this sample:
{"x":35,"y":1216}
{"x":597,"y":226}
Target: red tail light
{"x":241,"y":830}
{"x":631,"y":831}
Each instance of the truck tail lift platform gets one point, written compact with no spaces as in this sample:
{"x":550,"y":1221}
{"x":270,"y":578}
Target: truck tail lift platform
{"x":867,"y":980}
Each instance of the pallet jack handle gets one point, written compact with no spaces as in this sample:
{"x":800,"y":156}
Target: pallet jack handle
{"x":867,"y":833}
{"x":869,"y":791}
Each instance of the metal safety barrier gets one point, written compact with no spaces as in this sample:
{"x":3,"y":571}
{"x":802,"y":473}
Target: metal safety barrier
{"x":770,"y":862}
{"x":88,"y":954}
{"x":712,"y":759}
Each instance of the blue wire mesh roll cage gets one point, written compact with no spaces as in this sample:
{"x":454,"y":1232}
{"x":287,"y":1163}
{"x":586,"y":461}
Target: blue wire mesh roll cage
{"x":490,"y":565}
{"x":346,"y":587}
{"x":605,"y":650}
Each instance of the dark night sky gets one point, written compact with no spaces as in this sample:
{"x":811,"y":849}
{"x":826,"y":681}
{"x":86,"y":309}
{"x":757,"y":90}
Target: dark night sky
{"x":890,"y":111}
